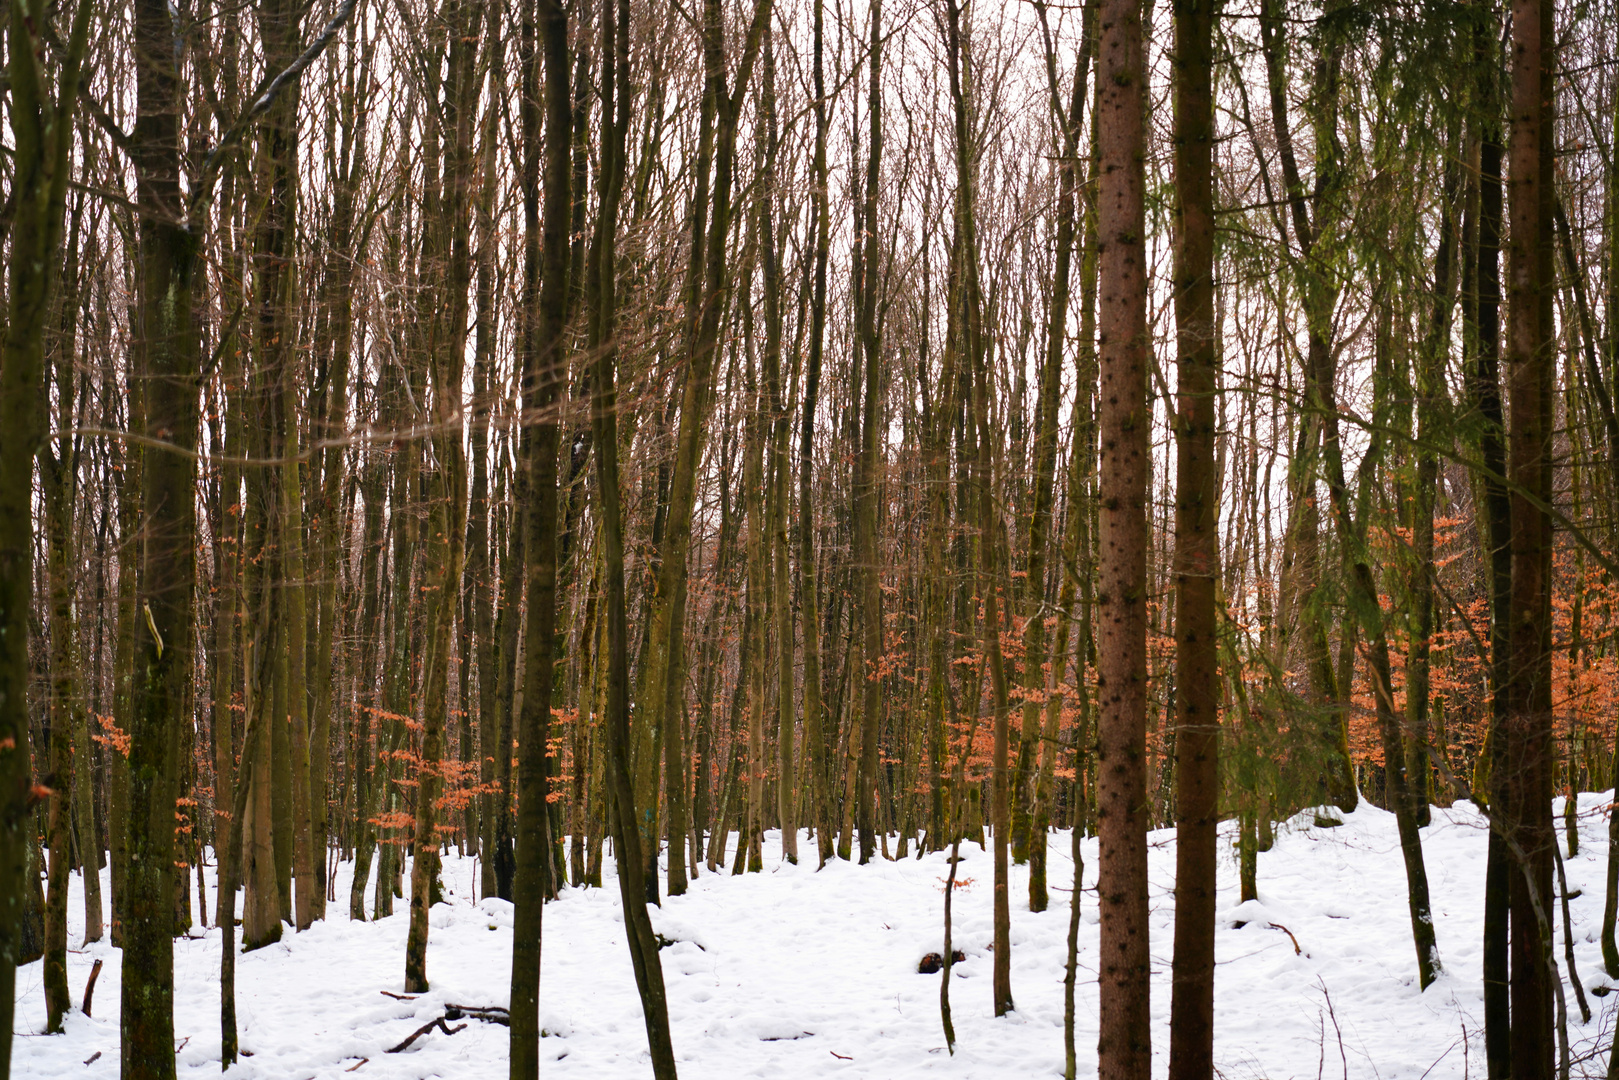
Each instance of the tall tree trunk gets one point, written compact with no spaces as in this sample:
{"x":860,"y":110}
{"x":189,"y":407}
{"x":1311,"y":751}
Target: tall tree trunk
{"x":1068,"y":123}
{"x":261,"y":909}
{"x":275,"y":284}
{"x":1610,"y":910}
{"x":755,"y":623}
{"x":1124,"y":1047}
{"x":480,"y":566}
{"x":369,"y":768}
{"x":604,"y":425}
{"x":780,"y":491}
{"x":819,"y":765}
{"x":123,"y":674}
{"x":507,"y":621}
{"x":1001,"y":782}
{"x":1197,"y":550}
{"x":226,"y":617}
{"x":545,"y":297}
{"x":974,"y":353}
{"x":1485,"y":390}
{"x":1526,"y":749}
{"x":296,"y":609}
{"x":69,"y":407}
{"x":58,"y":474}
{"x":228,"y":853}
{"x":42,"y":134}
{"x":166,"y":361}
{"x":864,"y":541}
{"x":447,"y":256}
{"x":1430,"y":386}
{"x":330,"y":522}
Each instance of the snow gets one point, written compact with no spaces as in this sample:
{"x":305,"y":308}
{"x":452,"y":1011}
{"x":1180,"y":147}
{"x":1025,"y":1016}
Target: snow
{"x":797,"y":973}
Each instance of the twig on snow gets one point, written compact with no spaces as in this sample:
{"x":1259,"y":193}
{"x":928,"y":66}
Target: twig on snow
{"x":1333,"y":1013}
{"x":1437,"y":1060}
{"x":1296,"y":950}
{"x":423,"y":1030}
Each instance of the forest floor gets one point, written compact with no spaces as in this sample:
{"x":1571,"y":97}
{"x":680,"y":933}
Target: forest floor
{"x":794,"y":973}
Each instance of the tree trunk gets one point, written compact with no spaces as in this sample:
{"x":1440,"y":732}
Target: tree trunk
{"x":1197,"y":551}
{"x":989,"y":508}
{"x":819,"y":764}
{"x":58,"y":474}
{"x":446,"y":255}
{"x":1484,"y":384}
{"x":42,"y":134}
{"x":868,"y":259}
{"x":780,"y":492}
{"x":1124,"y":1046}
{"x":1525,"y":754}
{"x":752,"y":839}
{"x":545,"y":296}
{"x":1430,"y":387}
{"x":166,"y":360}
{"x":604,"y":424}
{"x":1042,"y":759}
{"x":229,"y":854}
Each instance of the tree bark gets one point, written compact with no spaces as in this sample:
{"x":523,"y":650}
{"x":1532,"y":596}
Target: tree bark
{"x":780,"y":490}
{"x":604,"y":426}
{"x":1430,"y":388}
{"x":545,"y":297}
{"x":446,"y":256}
{"x":1124,"y":1046}
{"x":864,"y":541}
{"x":1526,"y":749}
{"x":819,"y":764}
{"x":1197,"y":550}
{"x":42,"y":134}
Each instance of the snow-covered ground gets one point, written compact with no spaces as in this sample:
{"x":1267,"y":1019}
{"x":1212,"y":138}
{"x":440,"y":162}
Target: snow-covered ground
{"x":794,"y":973}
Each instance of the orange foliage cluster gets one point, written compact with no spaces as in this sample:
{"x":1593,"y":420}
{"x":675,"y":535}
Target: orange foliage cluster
{"x":112,"y":735}
{"x":1585,"y":673}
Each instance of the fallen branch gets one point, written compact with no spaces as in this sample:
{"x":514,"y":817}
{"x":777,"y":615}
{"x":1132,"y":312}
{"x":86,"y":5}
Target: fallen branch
{"x":90,"y":988}
{"x":423,"y":1030}
{"x":489,"y":1014}
{"x":398,"y":997}
{"x":357,"y":1064}
{"x":1296,"y":950}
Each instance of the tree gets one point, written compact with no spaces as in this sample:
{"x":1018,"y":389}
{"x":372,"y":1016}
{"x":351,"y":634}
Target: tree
{"x":545,"y":295}
{"x":42,"y":127}
{"x":1525,"y":757}
{"x":1123,"y":1043}
{"x":1197,"y":549}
